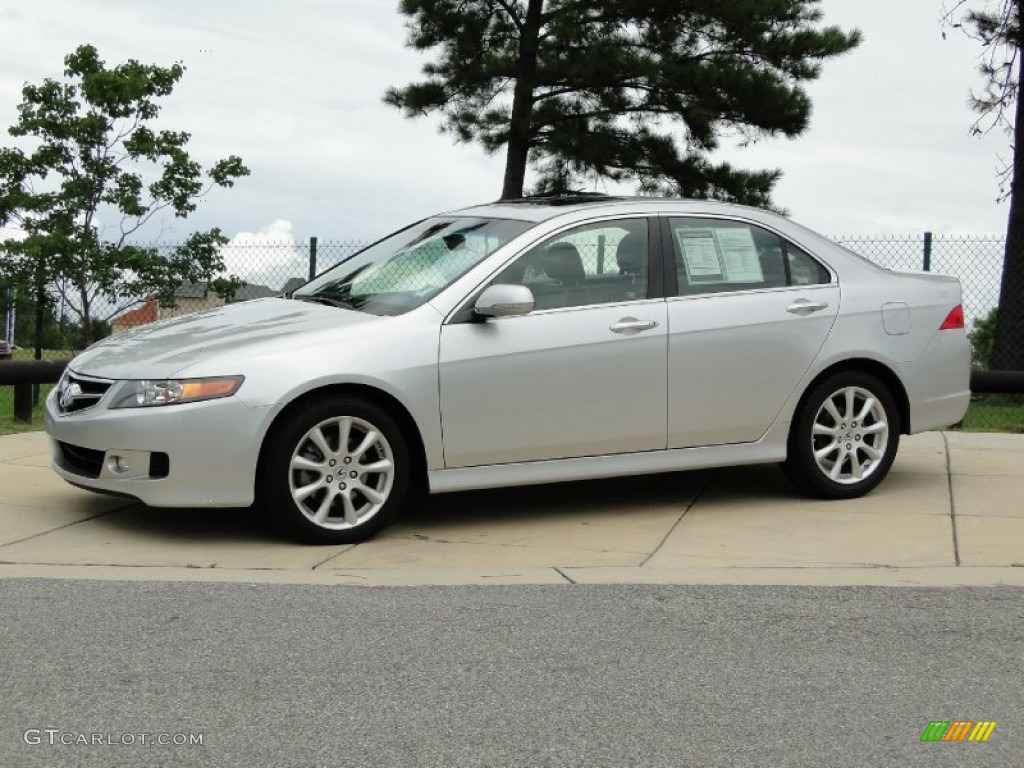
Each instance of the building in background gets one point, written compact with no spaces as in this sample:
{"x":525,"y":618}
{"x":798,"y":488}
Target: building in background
{"x":189,"y":298}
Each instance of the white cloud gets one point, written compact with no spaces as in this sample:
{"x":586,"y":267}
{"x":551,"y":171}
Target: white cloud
{"x":269,"y":256}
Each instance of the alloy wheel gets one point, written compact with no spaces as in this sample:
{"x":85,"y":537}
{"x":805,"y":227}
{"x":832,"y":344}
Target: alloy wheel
{"x":341,"y":473}
{"x":849,"y":435}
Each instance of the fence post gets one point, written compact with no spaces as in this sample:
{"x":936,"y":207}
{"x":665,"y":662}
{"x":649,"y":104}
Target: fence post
{"x":312,"y":258}
{"x":927,"y":251}
{"x":23,"y":402}
{"x":40,"y":311}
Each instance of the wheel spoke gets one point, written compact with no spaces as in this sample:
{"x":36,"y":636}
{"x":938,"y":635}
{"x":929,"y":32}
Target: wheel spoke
{"x":303,"y":493}
{"x":383,"y":465}
{"x":301,"y":462}
{"x":821,"y":429}
{"x":325,"y":507}
{"x":373,"y":496}
{"x":366,"y":444}
{"x":318,"y":439}
{"x":838,"y":466}
{"x":821,"y":453}
{"x":830,"y":407}
{"x":855,"y":466}
{"x":869,"y":403}
{"x":877,"y":428}
{"x":850,"y":415}
{"x":870,"y":450}
{"x":344,"y":430}
{"x":351,"y":516}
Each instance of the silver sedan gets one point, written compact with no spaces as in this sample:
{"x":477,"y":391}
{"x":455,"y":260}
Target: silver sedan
{"x":523,"y":342}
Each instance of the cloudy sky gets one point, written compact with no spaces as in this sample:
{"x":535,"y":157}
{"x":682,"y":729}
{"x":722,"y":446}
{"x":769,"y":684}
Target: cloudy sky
{"x":295,"y":89}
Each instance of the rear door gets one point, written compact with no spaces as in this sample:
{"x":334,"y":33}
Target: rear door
{"x":748,"y":314}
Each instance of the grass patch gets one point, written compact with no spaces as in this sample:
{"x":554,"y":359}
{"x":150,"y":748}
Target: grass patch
{"x":995,"y":413}
{"x":8,"y":424}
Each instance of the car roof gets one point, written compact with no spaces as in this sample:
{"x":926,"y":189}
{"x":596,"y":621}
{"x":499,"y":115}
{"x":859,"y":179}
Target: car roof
{"x":573,"y":208}
{"x":538,"y":209}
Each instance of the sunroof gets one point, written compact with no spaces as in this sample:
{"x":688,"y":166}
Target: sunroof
{"x":570,"y":199}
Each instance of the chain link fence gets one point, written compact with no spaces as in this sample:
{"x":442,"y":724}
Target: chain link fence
{"x":44,"y":325}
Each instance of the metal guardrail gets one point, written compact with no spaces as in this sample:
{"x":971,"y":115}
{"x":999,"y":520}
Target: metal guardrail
{"x":997,"y":382}
{"x":23,"y":374}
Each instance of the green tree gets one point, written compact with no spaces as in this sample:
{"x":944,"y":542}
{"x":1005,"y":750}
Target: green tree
{"x":996,"y":24}
{"x":639,"y":90}
{"x":95,"y":157}
{"x":981,"y":338}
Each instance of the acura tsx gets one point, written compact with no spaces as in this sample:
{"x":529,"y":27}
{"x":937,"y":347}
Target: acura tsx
{"x":527,"y":341}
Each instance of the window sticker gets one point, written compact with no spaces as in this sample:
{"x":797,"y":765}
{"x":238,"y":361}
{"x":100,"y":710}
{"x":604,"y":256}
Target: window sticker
{"x":739,"y":255}
{"x":700,"y":252}
{"x":720,"y":255}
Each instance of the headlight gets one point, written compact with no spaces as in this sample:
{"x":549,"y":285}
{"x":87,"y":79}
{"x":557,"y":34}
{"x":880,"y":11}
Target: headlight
{"x":150,"y":392}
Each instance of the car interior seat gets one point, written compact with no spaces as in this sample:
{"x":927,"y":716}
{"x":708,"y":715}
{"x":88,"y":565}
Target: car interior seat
{"x":563,"y":264}
{"x":631,"y":257}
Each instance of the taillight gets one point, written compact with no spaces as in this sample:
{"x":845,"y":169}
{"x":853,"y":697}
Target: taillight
{"x":955,"y":319}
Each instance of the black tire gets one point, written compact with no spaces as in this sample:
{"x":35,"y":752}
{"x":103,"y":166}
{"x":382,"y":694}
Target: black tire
{"x":855,"y":445}
{"x":375,"y":497}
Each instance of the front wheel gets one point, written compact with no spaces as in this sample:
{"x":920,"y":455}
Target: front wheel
{"x":336,"y":472}
{"x":844,"y":438}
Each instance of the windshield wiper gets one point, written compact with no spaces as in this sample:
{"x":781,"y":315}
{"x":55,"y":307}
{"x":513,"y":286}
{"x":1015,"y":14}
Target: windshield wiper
{"x":324,"y":300}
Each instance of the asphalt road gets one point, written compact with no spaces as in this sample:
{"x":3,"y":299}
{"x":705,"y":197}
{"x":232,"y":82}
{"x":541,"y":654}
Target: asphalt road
{"x":505,"y":676}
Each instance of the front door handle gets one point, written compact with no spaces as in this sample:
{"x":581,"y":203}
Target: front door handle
{"x":805,"y":307}
{"x":630,"y":326}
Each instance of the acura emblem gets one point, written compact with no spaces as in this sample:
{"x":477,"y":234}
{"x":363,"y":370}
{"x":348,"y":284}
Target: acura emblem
{"x":69,"y":395}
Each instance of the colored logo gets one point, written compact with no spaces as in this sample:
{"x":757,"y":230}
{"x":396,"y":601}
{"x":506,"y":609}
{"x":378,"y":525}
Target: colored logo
{"x":958,"y":730}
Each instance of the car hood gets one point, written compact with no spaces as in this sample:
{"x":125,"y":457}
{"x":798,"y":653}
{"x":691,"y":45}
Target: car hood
{"x":169,"y":346}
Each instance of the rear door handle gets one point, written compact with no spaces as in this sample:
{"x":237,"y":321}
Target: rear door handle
{"x":630,"y":326}
{"x":805,"y":307}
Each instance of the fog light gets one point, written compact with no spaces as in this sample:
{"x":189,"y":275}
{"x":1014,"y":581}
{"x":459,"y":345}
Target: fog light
{"x":117,"y":464}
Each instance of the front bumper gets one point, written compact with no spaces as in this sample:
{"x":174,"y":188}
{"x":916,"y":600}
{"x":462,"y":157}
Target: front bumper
{"x":189,"y":455}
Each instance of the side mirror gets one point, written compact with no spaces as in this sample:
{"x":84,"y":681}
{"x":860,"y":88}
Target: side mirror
{"x":504,"y":301}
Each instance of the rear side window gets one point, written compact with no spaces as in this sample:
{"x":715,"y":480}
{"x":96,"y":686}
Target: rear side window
{"x":716,"y":255}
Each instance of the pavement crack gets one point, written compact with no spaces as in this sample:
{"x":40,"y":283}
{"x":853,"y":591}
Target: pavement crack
{"x":696,"y":497}
{"x":48,"y":531}
{"x":563,"y":574}
{"x":952,"y":503}
{"x":332,"y":556}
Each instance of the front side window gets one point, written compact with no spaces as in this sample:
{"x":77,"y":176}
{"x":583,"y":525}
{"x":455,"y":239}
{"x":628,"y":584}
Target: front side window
{"x":597,"y":263}
{"x":717,"y":255}
{"x":412,"y":266}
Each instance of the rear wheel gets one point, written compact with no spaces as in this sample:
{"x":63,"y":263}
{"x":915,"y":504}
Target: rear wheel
{"x":844,"y":438}
{"x":337,"y":472}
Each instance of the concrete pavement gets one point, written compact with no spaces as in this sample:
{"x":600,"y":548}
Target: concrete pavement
{"x":951,"y":513}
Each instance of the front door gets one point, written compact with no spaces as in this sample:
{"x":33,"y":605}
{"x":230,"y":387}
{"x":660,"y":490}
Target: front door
{"x":585,"y":374}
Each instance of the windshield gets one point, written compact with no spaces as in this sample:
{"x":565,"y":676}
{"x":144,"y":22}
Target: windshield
{"x":410,"y":267}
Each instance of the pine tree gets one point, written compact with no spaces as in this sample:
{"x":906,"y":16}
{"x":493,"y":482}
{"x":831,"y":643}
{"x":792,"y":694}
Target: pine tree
{"x":626,"y":90}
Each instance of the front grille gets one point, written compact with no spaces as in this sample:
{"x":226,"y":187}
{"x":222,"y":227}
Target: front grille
{"x":87,"y":462}
{"x":77,"y":393}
